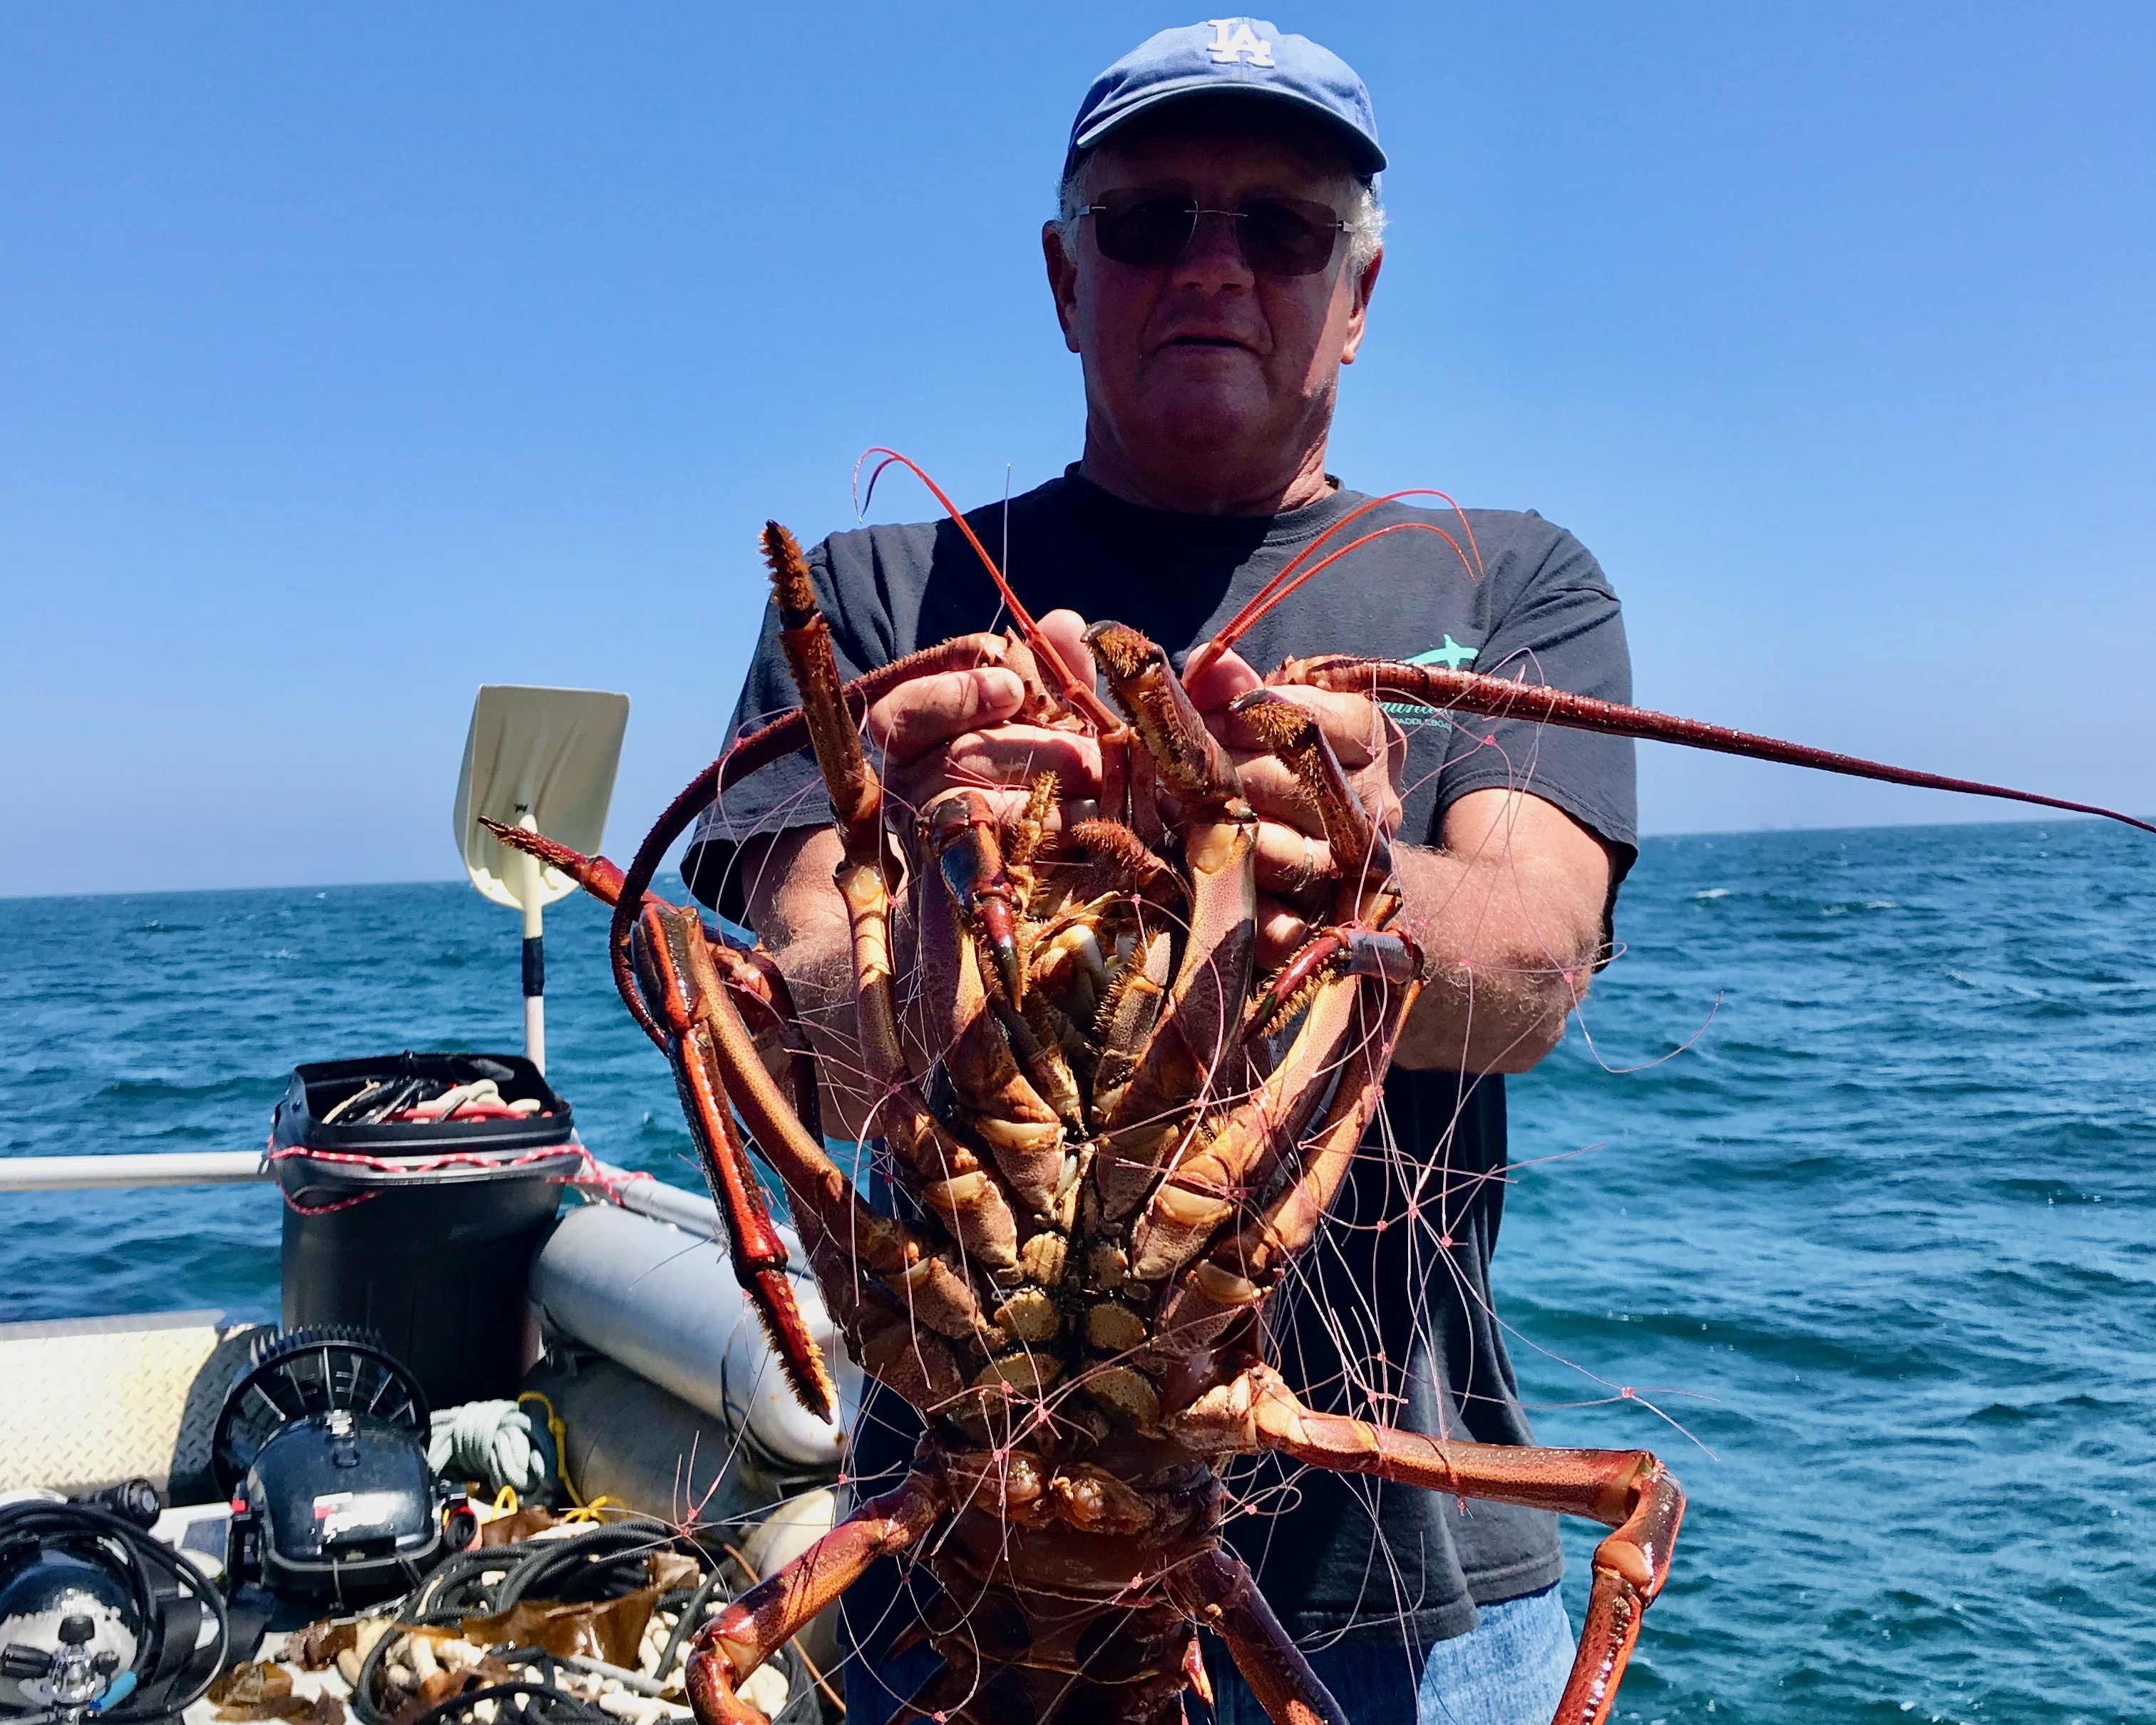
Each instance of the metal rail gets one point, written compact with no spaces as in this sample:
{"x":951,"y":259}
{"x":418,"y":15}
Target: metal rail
{"x":645,"y":1196}
{"x":663,"y":1203}
{"x":186,"y":1168}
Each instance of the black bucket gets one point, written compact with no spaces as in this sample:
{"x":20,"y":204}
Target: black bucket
{"x":433,"y":1258}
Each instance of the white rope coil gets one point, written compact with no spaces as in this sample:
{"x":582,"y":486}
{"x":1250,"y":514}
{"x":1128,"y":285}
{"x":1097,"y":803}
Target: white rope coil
{"x":493,"y":1441}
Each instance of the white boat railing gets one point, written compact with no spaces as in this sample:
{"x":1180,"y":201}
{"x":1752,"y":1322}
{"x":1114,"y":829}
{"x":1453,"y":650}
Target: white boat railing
{"x":182,"y":1168}
{"x":638,"y":1193}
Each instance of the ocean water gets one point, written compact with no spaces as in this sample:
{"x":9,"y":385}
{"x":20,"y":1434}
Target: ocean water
{"x":1848,"y":1210}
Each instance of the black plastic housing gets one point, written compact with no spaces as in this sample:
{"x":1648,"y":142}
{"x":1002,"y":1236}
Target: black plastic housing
{"x":342,"y":1511}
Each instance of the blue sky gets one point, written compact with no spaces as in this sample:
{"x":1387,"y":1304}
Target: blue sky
{"x":352,"y":356}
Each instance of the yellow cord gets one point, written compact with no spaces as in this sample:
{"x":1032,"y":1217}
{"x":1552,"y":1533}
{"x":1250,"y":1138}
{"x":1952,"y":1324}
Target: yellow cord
{"x":504,"y":1500}
{"x":560,"y":1433}
{"x":583,"y":1511}
{"x":590,"y":1512}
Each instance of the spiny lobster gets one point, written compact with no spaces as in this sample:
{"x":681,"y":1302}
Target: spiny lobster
{"x":1145,"y":1134}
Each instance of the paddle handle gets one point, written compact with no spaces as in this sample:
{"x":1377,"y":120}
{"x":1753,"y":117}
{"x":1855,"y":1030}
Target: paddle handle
{"x":535,"y":966}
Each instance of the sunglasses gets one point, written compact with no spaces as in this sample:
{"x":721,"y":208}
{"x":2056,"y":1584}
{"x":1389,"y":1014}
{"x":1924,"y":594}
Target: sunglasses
{"x":1276,"y":236}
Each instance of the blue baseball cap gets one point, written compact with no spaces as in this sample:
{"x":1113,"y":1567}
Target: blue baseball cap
{"x":1238,"y":57}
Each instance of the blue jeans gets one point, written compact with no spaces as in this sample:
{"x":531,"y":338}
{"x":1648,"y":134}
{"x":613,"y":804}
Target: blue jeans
{"x":1508,"y":1670}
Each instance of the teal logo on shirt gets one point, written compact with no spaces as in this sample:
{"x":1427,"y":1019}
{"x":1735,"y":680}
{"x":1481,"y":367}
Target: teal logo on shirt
{"x":1453,"y":657}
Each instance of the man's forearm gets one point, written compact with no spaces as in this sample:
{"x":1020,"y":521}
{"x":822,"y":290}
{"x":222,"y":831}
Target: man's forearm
{"x":801,"y":921}
{"x":819,"y":971}
{"x":1509,"y":932}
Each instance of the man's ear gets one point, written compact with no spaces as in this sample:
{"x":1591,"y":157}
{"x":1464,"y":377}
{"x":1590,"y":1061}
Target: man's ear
{"x":1062,"y":280}
{"x":1364,"y":286}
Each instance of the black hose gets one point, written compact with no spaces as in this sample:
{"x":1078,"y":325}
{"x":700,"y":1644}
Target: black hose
{"x":457,"y":1587}
{"x":568,"y":1709}
{"x":604,"y":1564}
{"x":362,"y":1682}
{"x":601,"y":1565}
{"x":542,"y":1704}
{"x":691,"y":1620}
{"x":801,"y":1699}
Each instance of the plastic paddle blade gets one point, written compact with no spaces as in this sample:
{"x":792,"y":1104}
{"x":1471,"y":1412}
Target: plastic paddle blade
{"x":546,"y":754}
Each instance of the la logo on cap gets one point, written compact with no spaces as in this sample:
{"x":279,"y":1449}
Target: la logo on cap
{"x":1233,"y":39}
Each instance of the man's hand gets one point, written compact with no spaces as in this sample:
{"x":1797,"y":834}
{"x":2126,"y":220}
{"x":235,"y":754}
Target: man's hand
{"x":953,"y":730}
{"x":939,"y":733}
{"x":1508,"y":912}
{"x":1296,"y":874}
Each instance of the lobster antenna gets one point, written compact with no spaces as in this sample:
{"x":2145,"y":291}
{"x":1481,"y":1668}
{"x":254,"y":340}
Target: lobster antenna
{"x":1502,"y":698}
{"x":1284,"y":583}
{"x":1208,"y":652}
{"x":1079,"y":693}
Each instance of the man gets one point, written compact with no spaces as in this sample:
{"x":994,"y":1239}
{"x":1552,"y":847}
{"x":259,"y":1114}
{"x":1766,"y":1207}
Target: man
{"x":1212,"y":267}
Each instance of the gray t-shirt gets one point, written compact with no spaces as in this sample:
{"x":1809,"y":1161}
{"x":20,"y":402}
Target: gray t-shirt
{"x":1389,"y":1316}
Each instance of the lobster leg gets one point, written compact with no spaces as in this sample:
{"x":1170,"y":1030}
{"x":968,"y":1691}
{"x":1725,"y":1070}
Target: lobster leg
{"x":1230,"y":1281}
{"x":992,"y":895}
{"x":1219,"y":1592}
{"x":882,"y":1330}
{"x":1130,"y":1010}
{"x":932,"y":1293}
{"x":1204,"y":1004}
{"x":1027,"y":838}
{"x":942,"y":1173}
{"x":1362,"y":853}
{"x":1206,"y":1182}
{"x":996,"y":1103}
{"x":888,"y":1330}
{"x":999,"y":1104}
{"x":1131,"y":867}
{"x":1225,"y":1288}
{"x":764,"y":1619}
{"x":1290,"y":1219}
{"x":749,"y":973}
{"x":666,"y":939}
{"x":1626,"y":1489}
{"x":1350,"y":946}
{"x":961,"y":835}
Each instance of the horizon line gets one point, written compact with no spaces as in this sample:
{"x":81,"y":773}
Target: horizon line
{"x":2057,"y":818}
